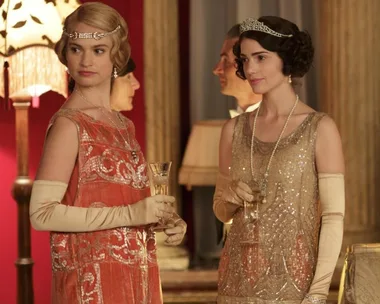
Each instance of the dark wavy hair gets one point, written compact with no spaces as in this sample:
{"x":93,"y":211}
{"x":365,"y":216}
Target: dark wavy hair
{"x":296,"y":52}
{"x":130,"y":67}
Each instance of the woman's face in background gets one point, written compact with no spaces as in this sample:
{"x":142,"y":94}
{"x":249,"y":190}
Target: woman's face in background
{"x":124,"y":88}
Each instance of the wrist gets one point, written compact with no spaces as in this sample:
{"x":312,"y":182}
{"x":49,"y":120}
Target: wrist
{"x":179,"y":222}
{"x":314,"y":300}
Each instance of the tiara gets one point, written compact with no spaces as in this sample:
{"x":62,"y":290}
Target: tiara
{"x":252,"y":24}
{"x":77,"y":35}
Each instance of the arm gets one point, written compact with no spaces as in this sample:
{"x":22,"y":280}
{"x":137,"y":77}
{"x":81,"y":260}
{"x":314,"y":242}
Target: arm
{"x":229,"y":195}
{"x":56,"y":166}
{"x":330,"y":168}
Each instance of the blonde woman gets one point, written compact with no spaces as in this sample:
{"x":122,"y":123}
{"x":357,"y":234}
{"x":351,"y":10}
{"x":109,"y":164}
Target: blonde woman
{"x":91,"y":189}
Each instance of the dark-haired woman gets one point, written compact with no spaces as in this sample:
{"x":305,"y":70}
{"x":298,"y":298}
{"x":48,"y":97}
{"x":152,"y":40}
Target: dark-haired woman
{"x":124,"y":88}
{"x":285,"y":162}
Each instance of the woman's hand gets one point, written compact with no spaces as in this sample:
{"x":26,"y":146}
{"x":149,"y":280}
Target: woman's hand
{"x":176,"y":233}
{"x":238,"y":192}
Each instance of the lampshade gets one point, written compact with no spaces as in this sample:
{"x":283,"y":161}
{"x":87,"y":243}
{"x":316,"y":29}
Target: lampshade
{"x":200,"y":164}
{"x":29,"y":30}
{"x":29,"y":23}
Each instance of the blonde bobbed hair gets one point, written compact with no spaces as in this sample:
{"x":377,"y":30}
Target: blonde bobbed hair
{"x":106,"y":18}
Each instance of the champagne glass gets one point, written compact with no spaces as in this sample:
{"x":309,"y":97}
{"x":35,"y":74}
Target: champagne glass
{"x":251,"y":211}
{"x":250,"y":220}
{"x":160,"y":172}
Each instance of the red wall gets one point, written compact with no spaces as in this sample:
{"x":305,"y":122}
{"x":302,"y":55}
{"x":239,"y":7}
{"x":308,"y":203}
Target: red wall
{"x":184,"y":61}
{"x":132,"y":11}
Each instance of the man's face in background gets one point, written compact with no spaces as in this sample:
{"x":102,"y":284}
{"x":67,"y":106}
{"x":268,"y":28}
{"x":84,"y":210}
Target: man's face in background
{"x":225,"y":69}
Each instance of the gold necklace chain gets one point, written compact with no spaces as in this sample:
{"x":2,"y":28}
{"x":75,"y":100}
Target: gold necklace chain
{"x":126,"y":143}
{"x":264,"y":184}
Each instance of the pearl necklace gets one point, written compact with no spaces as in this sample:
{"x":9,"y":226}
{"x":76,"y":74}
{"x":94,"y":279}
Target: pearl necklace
{"x":127,"y":143}
{"x":264,"y":183}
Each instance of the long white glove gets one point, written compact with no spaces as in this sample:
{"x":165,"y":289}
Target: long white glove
{"x":332,"y":197}
{"x":47,"y":213}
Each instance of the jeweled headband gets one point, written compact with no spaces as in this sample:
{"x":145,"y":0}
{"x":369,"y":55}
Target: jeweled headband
{"x":252,"y":24}
{"x":76,"y":35}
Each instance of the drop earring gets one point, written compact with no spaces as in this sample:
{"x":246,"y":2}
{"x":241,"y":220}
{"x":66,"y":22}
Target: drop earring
{"x":114,"y":73}
{"x":290,"y":79}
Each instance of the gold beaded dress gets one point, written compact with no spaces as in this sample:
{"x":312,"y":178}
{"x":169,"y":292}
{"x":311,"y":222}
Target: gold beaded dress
{"x":279,"y":268}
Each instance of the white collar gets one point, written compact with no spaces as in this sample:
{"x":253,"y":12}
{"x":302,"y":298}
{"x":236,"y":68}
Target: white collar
{"x":239,"y":110}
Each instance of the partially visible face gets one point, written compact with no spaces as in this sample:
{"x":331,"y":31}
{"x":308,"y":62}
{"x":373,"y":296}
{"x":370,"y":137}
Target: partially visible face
{"x":88,"y":60}
{"x":225,"y":69}
{"x":125,"y":87}
{"x":262,"y":68}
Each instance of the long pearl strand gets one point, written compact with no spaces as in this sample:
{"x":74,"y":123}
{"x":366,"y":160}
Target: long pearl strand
{"x":264,"y":184}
